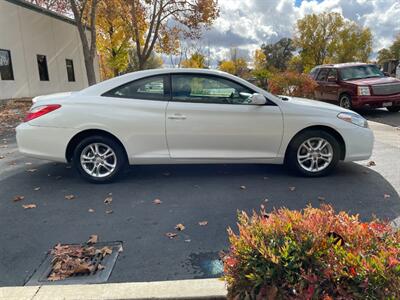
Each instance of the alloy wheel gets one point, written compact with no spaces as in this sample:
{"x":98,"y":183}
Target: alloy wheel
{"x":315,"y":154}
{"x":98,"y":160}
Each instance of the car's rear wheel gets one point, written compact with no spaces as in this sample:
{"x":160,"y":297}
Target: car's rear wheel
{"x":313,"y":153}
{"x":393,"y":108}
{"x":345,"y":101}
{"x":99,"y":159}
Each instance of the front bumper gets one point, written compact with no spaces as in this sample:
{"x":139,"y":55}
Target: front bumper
{"x":359,"y":142}
{"x":43,"y":142}
{"x":375,"y":101}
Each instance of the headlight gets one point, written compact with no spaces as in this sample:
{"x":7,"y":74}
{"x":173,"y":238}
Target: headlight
{"x":363,"y":91}
{"x":354,"y":119}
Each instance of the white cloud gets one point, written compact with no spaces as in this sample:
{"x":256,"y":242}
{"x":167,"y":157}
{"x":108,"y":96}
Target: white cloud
{"x":247,"y":24}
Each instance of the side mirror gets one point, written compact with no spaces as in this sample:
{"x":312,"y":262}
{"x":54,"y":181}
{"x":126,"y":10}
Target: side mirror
{"x":331,"y":79}
{"x":257,"y":99}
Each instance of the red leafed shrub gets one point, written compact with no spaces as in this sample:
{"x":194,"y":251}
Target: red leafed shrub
{"x":291,"y":83}
{"x":312,"y":254}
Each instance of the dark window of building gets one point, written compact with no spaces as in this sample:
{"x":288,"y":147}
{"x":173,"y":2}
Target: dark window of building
{"x":6,"y":70}
{"x":42,"y":65}
{"x":70,"y":70}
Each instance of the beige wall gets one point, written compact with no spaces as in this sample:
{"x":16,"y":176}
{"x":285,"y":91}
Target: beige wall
{"x":27,"y":33}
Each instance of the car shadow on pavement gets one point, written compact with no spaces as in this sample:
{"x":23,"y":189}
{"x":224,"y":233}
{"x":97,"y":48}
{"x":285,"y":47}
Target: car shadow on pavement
{"x":188,"y":194}
{"x":381,"y":116}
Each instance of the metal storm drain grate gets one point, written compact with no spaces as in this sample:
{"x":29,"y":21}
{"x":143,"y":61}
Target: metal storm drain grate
{"x":40,"y":277}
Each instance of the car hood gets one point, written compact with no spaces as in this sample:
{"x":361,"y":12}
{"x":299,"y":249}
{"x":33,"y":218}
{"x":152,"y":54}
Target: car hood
{"x":373,"y":80}
{"x":56,"y":96}
{"x":315,"y":104}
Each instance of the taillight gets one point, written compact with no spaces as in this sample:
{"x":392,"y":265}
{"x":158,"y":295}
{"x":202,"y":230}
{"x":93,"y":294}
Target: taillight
{"x":40,"y":111}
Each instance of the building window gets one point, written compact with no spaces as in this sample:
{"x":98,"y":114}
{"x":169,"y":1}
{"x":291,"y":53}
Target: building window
{"x":42,"y":65}
{"x":70,"y":70}
{"x":6,"y":70}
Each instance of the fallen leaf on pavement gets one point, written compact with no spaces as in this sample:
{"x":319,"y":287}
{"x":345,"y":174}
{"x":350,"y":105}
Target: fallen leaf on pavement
{"x":29,"y":206}
{"x":171,"y":235}
{"x":105,"y":251}
{"x":28,"y":163}
{"x":242,"y":187}
{"x":69,"y":197}
{"x":188,"y":241}
{"x":91,"y":210}
{"x":371,"y":163}
{"x":1,"y":156}
{"x":31,"y":170}
{"x":203,"y":223}
{"x":93,"y":239}
{"x":109,"y":211}
{"x":18,"y":198}
{"x":37,"y":188}
{"x":180,"y":227}
{"x":292,"y":188}
{"x":100,"y":267}
{"x":386,"y":196}
{"x":109,"y":199}
{"x":157,"y":201}
{"x":121,"y":249}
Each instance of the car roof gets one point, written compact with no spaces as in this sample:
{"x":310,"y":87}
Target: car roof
{"x":107,"y":85}
{"x":343,"y":65}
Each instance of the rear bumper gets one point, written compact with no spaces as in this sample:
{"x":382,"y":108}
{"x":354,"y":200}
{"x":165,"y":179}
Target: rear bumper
{"x":43,"y":142}
{"x":375,"y":101}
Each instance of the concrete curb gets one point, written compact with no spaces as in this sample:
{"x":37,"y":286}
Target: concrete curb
{"x":204,"y":289}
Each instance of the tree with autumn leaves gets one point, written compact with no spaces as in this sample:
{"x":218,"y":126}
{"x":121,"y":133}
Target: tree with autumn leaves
{"x":146,"y":26}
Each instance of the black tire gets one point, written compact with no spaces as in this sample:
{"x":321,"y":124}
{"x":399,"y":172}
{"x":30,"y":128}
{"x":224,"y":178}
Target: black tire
{"x":393,"y":108}
{"x":120,"y":156}
{"x":291,"y":153}
{"x":345,"y":101}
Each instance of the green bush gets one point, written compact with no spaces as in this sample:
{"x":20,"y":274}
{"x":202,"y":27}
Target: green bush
{"x":312,"y":254}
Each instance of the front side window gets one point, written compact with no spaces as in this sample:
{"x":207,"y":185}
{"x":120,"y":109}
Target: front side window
{"x":70,"y":70}
{"x":42,"y":66}
{"x":208,"y":89}
{"x":151,"y":88}
{"x":6,"y":70}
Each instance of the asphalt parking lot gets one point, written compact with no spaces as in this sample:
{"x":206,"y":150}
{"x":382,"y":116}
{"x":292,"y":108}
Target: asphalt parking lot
{"x":189,"y":194}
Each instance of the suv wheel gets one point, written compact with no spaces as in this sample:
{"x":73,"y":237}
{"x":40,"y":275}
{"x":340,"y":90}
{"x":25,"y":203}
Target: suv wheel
{"x":393,"y":108}
{"x":345,"y":101}
{"x":313,"y":153}
{"x":99,"y":159}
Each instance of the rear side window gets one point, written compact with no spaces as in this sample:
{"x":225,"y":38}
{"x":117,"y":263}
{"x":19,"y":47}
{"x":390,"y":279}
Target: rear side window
{"x":314,"y":72}
{"x":149,"y":88}
{"x":323,"y":75}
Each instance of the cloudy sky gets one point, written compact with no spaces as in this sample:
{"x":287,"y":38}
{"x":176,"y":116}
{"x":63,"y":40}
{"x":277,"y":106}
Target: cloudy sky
{"x":246,"y":24}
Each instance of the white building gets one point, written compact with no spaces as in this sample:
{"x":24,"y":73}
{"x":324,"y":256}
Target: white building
{"x":40,"y":52}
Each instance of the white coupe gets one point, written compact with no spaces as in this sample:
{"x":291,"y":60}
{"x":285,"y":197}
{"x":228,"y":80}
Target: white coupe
{"x":173,"y":116}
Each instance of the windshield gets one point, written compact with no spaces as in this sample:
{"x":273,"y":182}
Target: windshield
{"x":358,"y":72}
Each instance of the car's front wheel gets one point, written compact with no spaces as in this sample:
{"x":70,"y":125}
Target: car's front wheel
{"x":345,"y":101}
{"x":393,"y":108}
{"x":99,"y":159}
{"x":313,"y":153}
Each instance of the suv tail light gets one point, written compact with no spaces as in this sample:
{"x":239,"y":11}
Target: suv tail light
{"x":40,"y":111}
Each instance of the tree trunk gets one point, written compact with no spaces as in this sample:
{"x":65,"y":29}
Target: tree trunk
{"x":90,"y":72}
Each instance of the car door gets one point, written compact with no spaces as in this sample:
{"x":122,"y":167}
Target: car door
{"x":321,"y":79}
{"x":331,"y":90}
{"x":210,"y":117}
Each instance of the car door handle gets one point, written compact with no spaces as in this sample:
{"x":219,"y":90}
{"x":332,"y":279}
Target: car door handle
{"x":177,"y":117}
